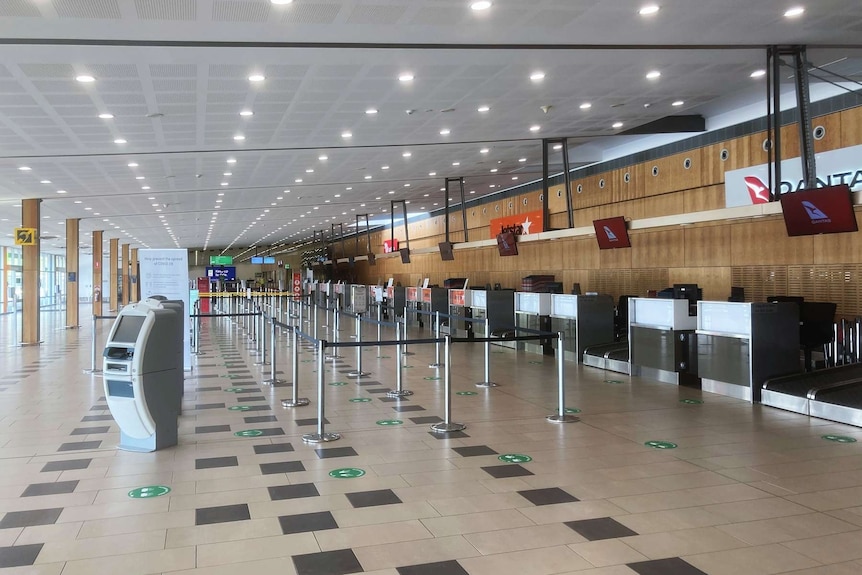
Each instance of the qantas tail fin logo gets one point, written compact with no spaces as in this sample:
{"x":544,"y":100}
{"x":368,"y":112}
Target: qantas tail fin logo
{"x":816,"y":214}
{"x":758,"y":191}
{"x":612,"y":237}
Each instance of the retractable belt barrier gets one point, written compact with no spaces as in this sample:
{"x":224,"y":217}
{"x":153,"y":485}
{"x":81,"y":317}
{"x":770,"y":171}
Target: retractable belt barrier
{"x":93,"y":369}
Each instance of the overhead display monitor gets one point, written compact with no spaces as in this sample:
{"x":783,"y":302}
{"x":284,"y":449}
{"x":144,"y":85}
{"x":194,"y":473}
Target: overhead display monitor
{"x":269,"y":259}
{"x":226,"y":273}
{"x":819,"y":211}
{"x":405,"y":255}
{"x":446,"y":253}
{"x":257,"y":259}
{"x":506,"y":244}
{"x":128,"y":328}
{"x":612,"y":233}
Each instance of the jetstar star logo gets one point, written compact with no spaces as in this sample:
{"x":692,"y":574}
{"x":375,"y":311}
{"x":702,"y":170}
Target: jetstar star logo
{"x":815,"y":214}
{"x":758,"y":191}
{"x":612,"y":237}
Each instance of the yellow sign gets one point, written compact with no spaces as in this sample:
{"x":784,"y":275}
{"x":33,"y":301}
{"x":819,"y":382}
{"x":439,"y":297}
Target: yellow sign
{"x":25,"y":236}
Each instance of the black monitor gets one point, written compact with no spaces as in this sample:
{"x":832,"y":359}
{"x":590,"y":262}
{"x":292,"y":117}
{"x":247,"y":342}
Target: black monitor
{"x":797,"y":299}
{"x":686,"y":291}
{"x":405,"y":255}
{"x":446,"y":253}
{"x":737,"y":294}
{"x":128,"y":328}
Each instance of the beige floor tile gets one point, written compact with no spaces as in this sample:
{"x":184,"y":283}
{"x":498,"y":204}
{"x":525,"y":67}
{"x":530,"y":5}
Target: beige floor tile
{"x":764,"y":560}
{"x":387,"y":533}
{"x":350,"y":517}
{"x":46,"y":569}
{"x":785,"y":529}
{"x":221,"y":532}
{"x":256,"y":549}
{"x":521,"y":538}
{"x":534,"y":561}
{"x":69,"y":500}
{"x":65,"y":550}
{"x":414,"y":553}
{"x":607,"y":552}
{"x":476,"y":522}
{"x":182,"y":502}
{"x":48,"y":533}
{"x":683,"y":542}
{"x":137,"y":523}
{"x":134,"y":563}
{"x":852,"y":568}
{"x":688,"y":498}
{"x":477,"y":503}
{"x":834,"y":548}
{"x":366,"y":483}
{"x":262,"y":509}
{"x":756,"y":509}
{"x":110,"y":510}
{"x":571,"y":511}
{"x":277,"y":566}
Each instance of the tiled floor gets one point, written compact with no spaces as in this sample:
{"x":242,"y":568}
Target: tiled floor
{"x":749,"y":491}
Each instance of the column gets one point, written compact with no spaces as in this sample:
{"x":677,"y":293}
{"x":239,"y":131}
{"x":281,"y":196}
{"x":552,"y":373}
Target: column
{"x":113,"y":281}
{"x":124,"y":274}
{"x":72,"y":279}
{"x":98,"y":296}
{"x":134,"y":286}
{"x":31,"y":218}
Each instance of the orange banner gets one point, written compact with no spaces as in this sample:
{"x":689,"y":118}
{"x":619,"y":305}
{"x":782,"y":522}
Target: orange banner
{"x":520,"y":225}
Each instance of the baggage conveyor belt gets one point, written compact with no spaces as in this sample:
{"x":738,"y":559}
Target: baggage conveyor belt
{"x":834,"y":394}
{"x":609,"y":356}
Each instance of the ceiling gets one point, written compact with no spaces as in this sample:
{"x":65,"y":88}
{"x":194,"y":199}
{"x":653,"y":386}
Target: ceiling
{"x":175,"y":76}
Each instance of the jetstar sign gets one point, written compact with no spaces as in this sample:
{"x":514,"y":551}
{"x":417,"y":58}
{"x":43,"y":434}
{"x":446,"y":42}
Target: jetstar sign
{"x":749,"y":186}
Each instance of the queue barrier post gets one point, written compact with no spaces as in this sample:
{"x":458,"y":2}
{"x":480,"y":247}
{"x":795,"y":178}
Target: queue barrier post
{"x":295,"y":400}
{"x":436,"y":363}
{"x":399,"y":390}
{"x":358,"y":371}
{"x":336,"y":322}
{"x":263,"y":361}
{"x":406,"y":352}
{"x":273,"y":378}
{"x":93,"y":369}
{"x":487,"y":382}
{"x":321,"y":436}
{"x":561,"y":416}
{"x":448,"y":425}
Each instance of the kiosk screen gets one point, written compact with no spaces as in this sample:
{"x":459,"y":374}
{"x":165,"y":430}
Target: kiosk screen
{"x":128,"y":328}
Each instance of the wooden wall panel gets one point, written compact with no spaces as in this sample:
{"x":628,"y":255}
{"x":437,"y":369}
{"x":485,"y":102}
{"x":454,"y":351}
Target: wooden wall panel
{"x":714,"y":281}
{"x":665,"y":205}
{"x":703,"y":199}
{"x":832,"y":139}
{"x":851,"y":127}
{"x":707,"y":246}
{"x":764,"y":241}
{"x":657,"y":249}
{"x":839,"y":248}
{"x":672,"y":174}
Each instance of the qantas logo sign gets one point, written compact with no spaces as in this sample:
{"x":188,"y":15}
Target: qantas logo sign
{"x":612,"y":237}
{"x":758,"y":191}
{"x":816,"y":214}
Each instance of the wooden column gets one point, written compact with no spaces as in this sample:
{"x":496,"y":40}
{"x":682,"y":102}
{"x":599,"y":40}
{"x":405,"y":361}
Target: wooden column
{"x":98,"y":296}
{"x":113,"y":282}
{"x":124,"y":274}
{"x":31,"y":218}
{"x":135,"y":290}
{"x":72,"y":278}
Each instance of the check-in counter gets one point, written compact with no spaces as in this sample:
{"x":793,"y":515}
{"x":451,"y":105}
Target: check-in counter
{"x":585,"y":320}
{"x":662,"y":340}
{"x":337,"y":296}
{"x":478,"y":305}
{"x":533,"y":311}
{"x":459,"y":306}
{"x":321,"y":295}
{"x":741,"y":345}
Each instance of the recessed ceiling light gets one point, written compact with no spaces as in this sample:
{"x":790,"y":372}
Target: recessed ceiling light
{"x":61,"y":191}
{"x":406,"y":154}
{"x":132,"y":165}
{"x":239,"y":137}
{"x":227,"y":174}
{"x":535,"y":128}
{"x":323,"y":158}
{"x":346,"y":135}
{"x":231,"y":160}
{"x":25,"y":168}
{"x":406,"y":77}
{"x":85,"y":79}
{"x":456,"y":163}
{"x":145,"y":187}
{"x":106,"y":116}
{"x":480,"y":5}
{"x":298,"y":180}
{"x":558,"y":146}
{"x":368,"y":177}
{"x":45,"y":182}
{"x":256,"y":78}
{"x":493,"y":170}
{"x":794,"y":12}
{"x":586,"y":106}
{"x":406,"y":185}
{"x":140,"y":177}
{"x":224,"y":183}
{"x":432,"y":173}
{"x":445,"y":132}
{"x":246,"y":113}
{"x":309,"y":171}
{"x":76,"y":201}
{"x":120,"y":141}
{"x":537,"y":76}
{"x":649,"y":10}
{"x":484,"y":108}
{"x":758,"y":74}
{"x":371,"y":111}
{"x":617,"y":125}
{"x":678,"y":103}
{"x":653,"y":75}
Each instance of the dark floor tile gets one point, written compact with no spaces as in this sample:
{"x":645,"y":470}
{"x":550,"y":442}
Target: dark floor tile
{"x":211,"y":428}
{"x":222,"y":514}
{"x":392,"y":399}
{"x":202,"y":389}
{"x":381,"y":390}
{"x":66,"y":465}
{"x":238,"y":371}
{"x":450,"y":435}
{"x":208,"y":376}
{"x":257,"y":408}
{"x":79,"y":445}
{"x":405,"y":408}
{"x":88,"y":418}
{"x":335,"y":452}
{"x":548,"y":496}
{"x":24,"y":555}
{"x":281,"y":467}
{"x":90,"y":430}
{"x":56,"y":488}
{"x":439,"y":568}
{"x":249,"y":390}
{"x":213,"y":462}
{"x":602,"y":528}
{"x":426,"y":419}
{"x":210,"y":406}
{"x":367,"y":383}
{"x":272,"y":448}
{"x":297,"y":491}
{"x":99,"y":408}
{"x":503,"y":471}
{"x":252,"y":398}
{"x":260,"y":419}
{"x":270,"y":431}
{"x":474,"y":451}
{"x":338,"y":562}
{"x":670,"y":566}
{"x":30,"y":518}
{"x":372,"y":498}
{"x":306,"y":522}
{"x":309,"y":421}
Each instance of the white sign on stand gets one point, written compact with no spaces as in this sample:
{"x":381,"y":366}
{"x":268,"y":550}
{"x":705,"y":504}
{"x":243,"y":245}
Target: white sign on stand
{"x":166,"y":273}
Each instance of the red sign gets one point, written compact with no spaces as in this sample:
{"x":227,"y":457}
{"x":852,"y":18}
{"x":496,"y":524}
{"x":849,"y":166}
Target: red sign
{"x":390,"y":246}
{"x":456,"y":297}
{"x":520,"y":225}
{"x":297,"y":285}
{"x":204,"y":287}
{"x":410,"y":294}
{"x":426,"y":295}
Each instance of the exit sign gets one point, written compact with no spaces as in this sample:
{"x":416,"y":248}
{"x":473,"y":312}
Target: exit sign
{"x":221,"y":260}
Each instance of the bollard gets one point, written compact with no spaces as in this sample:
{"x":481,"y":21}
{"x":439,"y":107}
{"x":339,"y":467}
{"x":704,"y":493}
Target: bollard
{"x":358,"y":371}
{"x":437,"y":363}
{"x":315,"y":311}
{"x":321,"y":436}
{"x":447,"y":425}
{"x":93,"y":369}
{"x":263,"y":361}
{"x":379,"y":326}
{"x":561,"y":416}
{"x":336,"y":321}
{"x":295,"y":401}
{"x":399,"y":390}
{"x":487,"y":382}
{"x":405,"y":352}
{"x":273,"y":378}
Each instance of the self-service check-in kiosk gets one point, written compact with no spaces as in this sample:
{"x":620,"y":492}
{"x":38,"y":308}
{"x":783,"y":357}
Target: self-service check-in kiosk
{"x":585,"y":320}
{"x":161,"y":302}
{"x":532,"y":311}
{"x":662,"y":340}
{"x":139,"y":366}
{"x":477,"y":300}
{"x":459,"y":306}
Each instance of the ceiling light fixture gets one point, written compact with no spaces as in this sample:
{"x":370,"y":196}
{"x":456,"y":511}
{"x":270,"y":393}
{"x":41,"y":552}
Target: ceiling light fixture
{"x":484,"y":108}
{"x":406,"y":154}
{"x":24,"y":168}
{"x":85,"y":79}
{"x":653,"y":75}
{"x":256,"y":78}
{"x":132,"y":165}
{"x":120,"y":141}
{"x":406,"y":77}
{"x":617,"y":125}
{"x":371,"y":111}
{"x":231,"y":160}
{"x":445,"y":132}
{"x":758,"y":74}
{"x":45,"y":182}
{"x":678,"y":103}
{"x":649,"y":10}
{"x":535,"y":128}
{"x":61,"y":191}
{"x":586,"y":106}
{"x":106,"y":116}
{"x":480,"y":5}
{"x":346,"y":135}
{"x":537,"y":76}
{"x":794,"y":12}
{"x":246,"y":113}
{"x":239,"y":137}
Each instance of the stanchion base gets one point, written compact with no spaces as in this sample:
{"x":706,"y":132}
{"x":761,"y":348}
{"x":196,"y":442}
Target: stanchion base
{"x":274,"y":382}
{"x":333,"y":356}
{"x":436,"y":365}
{"x":447,"y":427}
{"x":396,"y":393}
{"x":320,"y":438}
{"x":408,"y":353}
{"x":358,"y":374}
{"x":262,"y":363}
{"x":487,"y":384}
{"x":301,"y":402}
{"x":93,"y":371}
{"x":563,"y":419}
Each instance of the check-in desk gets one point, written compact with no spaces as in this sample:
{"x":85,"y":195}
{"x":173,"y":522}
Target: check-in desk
{"x":585,"y":320}
{"x":337,"y":296}
{"x":459,"y":307}
{"x":533,"y":311}
{"x":478,"y":309}
{"x":741,"y":345}
{"x":139,"y":367}
{"x":662,"y":340}
{"x":413,"y":297}
{"x":321,"y":295}
{"x":395,"y":302}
